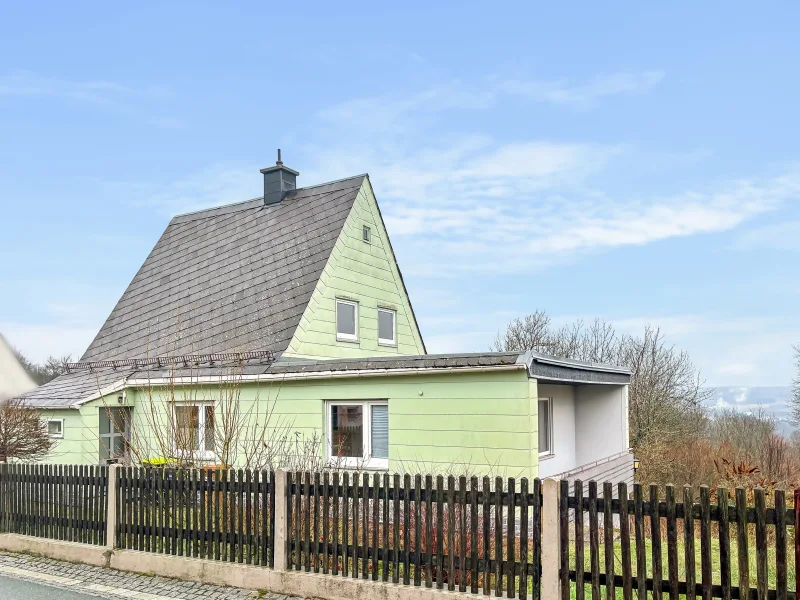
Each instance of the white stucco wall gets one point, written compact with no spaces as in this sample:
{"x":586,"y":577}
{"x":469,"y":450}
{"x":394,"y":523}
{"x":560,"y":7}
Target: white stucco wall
{"x":601,"y":421}
{"x":14,"y":380}
{"x":563,"y":457}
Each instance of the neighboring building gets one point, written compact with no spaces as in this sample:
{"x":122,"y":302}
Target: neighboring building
{"x":14,"y":380}
{"x":304,"y":285}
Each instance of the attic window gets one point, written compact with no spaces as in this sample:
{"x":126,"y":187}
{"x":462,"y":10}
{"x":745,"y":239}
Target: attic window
{"x":346,"y":321}
{"x":387,"y":327}
{"x":367,"y":233}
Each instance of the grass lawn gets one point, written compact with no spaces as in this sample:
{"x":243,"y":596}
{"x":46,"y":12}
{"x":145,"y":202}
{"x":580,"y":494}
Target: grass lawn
{"x":715,"y":566}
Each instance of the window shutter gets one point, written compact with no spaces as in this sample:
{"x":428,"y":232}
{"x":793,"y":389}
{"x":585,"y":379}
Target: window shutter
{"x":380,"y":431}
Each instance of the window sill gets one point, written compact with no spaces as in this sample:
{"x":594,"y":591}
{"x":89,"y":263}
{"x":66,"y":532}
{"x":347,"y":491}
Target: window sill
{"x":203,"y":455}
{"x":546,"y":456}
{"x":387,"y":344}
{"x":348,"y":340}
{"x":373,"y":464}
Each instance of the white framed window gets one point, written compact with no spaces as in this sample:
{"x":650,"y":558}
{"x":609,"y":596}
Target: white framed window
{"x":194,"y":429}
{"x":115,"y":432}
{"x":387,"y":327}
{"x":346,"y":320}
{"x":366,"y":234}
{"x":358,"y":433}
{"x":545,"y":426}
{"x":55,"y":428}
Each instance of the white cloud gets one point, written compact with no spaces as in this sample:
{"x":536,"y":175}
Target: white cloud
{"x":462,"y":202}
{"x":113,"y":96}
{"x":383,"y":112}
{"x":582,"y":95}
{"x":471,"y":203}
{"x":744,"y":351}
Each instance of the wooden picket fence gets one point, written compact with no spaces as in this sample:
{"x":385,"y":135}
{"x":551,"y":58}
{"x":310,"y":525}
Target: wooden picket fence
{"x":665,"y":524}
{"x":478,"y":538}
{"x":485,"y":537}
{"x":216,"y":514}
{"x":54,"y":501}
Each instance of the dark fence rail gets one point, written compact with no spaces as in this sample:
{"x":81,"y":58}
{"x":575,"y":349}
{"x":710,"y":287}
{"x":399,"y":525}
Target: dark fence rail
{"x":54,"y":501}
{"x":661,"y":540}
{"x":219,"y":514}
{"x":482,"y":537}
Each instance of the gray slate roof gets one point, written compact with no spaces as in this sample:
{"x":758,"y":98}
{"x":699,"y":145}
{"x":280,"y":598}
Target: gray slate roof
{"x":69,"y":388}
{"x":236,"y":277}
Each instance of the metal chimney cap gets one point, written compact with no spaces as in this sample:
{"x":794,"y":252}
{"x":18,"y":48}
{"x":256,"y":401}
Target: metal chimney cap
{"x":280,"y":166}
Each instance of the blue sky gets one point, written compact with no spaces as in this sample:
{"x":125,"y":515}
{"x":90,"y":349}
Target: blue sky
{"x":638,"y":166}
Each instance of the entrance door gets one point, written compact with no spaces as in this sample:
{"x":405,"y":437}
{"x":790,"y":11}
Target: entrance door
{"x":115,"y":433}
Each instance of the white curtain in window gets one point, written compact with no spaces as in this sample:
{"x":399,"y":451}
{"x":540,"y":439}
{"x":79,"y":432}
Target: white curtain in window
{"x":380,"y":431}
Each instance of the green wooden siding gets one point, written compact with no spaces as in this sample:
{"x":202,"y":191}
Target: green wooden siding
{"x":476,"y":422}
{"x":365,"y":273}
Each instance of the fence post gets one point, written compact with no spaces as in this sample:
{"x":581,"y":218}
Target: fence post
{"x":550,"y":540}
{"x":111,"y":509}
{"x":281,"y":545}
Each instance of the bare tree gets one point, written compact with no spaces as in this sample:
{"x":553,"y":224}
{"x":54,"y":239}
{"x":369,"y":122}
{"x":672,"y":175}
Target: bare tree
{"x":44,"y":372}
{"x":794,"y":399}
{"x":186,"y":423}
{"x":23,"y":433}
{"x":666,"y":392}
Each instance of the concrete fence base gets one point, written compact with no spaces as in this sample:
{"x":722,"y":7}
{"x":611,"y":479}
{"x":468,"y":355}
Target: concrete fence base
{"x":308,"y":585}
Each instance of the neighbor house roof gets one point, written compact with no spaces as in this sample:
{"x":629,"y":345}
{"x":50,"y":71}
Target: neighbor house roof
{"x":236,"y":277}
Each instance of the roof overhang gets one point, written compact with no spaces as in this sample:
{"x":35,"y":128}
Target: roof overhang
{"x":314,"y":375}
{"x":550,"y":369}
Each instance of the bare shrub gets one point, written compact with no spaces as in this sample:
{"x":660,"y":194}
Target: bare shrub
{"x":23,"y":433}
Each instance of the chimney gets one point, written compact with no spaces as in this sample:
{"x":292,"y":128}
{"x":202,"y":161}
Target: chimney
{"x":278,"y":181}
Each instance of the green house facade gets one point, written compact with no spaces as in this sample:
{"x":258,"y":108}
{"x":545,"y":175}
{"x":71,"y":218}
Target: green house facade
{"x":259,"y":332}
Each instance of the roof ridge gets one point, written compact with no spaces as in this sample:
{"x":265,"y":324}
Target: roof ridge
{"x":308,"y":187}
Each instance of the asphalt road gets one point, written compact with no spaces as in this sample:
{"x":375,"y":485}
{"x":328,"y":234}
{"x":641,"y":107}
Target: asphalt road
{"x":17,"y":589}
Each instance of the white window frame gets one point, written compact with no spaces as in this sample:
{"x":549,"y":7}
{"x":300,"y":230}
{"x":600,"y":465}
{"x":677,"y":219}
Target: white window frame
{"x":383,"y":341}
{"x":366,"y":234}
{"x":346,"y":337}
{"x":551,"y":450}
{"x":56,"y":436}
{"x":353,"y":462}
{"x":201,"y":454}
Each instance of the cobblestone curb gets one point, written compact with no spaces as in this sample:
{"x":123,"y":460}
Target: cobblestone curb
{"x":108,"y":583}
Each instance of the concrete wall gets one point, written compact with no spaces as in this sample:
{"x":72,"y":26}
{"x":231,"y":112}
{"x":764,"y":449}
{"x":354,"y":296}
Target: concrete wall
{"x":365,"y":273}
{"x":563,"y":456}
{"x":601,"y":422}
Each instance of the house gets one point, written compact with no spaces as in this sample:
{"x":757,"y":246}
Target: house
{"x":14,"y":380}
{"x":286,"y":316}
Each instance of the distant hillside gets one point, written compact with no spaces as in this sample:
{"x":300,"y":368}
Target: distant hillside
{"x":774,"y":400}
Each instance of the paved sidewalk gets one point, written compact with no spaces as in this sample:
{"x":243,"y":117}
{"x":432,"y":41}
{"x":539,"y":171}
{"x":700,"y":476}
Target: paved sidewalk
{"x":108,"y":583}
